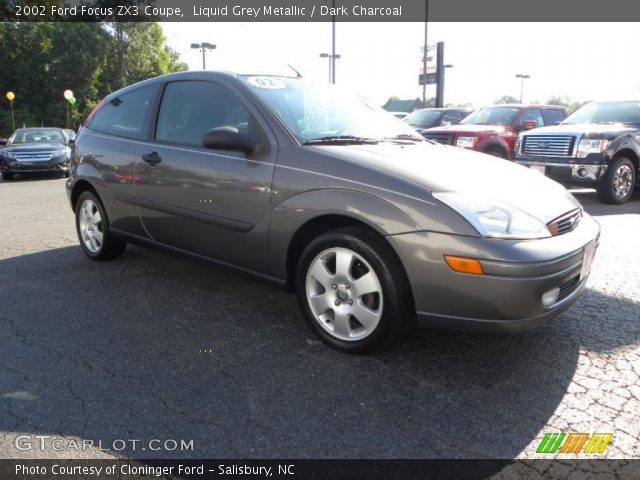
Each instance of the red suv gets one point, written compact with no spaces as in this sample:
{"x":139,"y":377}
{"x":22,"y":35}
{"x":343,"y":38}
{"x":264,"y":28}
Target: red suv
{"x":494,"y":129}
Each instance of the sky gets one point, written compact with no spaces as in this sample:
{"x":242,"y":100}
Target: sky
{"x":585,"y":61}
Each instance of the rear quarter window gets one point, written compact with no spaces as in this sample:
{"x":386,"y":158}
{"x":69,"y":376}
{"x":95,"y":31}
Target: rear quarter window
{"x":126,"y":115}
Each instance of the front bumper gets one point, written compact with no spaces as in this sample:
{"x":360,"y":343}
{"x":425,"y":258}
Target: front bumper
{"x":562,"y":171}
{"x":14,"y":166}
{"x":508,"y":296}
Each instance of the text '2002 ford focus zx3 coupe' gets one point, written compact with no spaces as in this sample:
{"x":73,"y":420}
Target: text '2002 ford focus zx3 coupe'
{"x":372,"y":226}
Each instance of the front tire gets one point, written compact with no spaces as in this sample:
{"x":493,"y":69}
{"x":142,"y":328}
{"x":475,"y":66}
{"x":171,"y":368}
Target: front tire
{"x":6,"y":176}
{"x":353,"y":290}
{"x":92,"y":226}
{"x":618,"y":183}
{"x":496,"y":152}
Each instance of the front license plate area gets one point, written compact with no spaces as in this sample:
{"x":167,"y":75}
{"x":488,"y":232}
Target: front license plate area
{"x":587,"y":259}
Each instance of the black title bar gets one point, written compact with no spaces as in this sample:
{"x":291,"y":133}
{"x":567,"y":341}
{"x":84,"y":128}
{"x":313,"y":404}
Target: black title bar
{"x":319,"y":10}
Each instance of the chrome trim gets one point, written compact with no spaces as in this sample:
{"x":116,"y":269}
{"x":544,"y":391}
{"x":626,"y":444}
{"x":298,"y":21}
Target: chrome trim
{"x":560,"y":146}
{"x":594,"y":172}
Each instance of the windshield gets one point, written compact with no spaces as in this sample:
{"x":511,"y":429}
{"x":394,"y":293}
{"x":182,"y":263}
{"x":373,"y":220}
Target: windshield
{"x":422,"y":118}
{"x":313,"y":112}
{"x":606,"y":112}
{"x":37,"y":135}
{"x":492,"y":116}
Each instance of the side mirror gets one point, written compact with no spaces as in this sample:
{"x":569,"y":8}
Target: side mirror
{"x":229,"y":138}
{"x":3,"y":142}
{"x":529,"y":124}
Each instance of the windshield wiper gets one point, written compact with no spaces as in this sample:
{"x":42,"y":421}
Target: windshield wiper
{"x":341,"y":140}
{"x":405,"y":137}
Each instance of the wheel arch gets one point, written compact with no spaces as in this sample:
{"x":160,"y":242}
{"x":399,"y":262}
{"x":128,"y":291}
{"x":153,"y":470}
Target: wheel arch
{"x":79,"y":188}
{"x":630,"y":153}
{"x":297,"y":221}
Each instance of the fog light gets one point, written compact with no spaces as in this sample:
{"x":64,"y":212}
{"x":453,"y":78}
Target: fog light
{"x":583,"y":172}
{"x":550,"y":297}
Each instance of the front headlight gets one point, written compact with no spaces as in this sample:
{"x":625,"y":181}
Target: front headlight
{"x":493,"y":218}
{"x":466,"y":142}
{"x":61,"y":152}
{"x":591,"y":146}
{"x":9,"y":155}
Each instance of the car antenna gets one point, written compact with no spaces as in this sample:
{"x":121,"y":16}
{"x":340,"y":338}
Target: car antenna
{"x":298,"y":74}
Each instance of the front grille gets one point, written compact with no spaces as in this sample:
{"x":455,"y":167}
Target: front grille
{"x":568,"y":287}
{"x":33,"y":155}
{"x":440,"y":138}
{"x":31,"y":167}
{"x":565,"y":223}
{"x":547,"y":145}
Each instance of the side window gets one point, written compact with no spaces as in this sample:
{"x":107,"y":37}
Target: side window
{"x":534,"y":114}
{"x":191,"y":108}
{"x":126,"y":115}
{"x":453,"y":117}
{"x":553,"y":116}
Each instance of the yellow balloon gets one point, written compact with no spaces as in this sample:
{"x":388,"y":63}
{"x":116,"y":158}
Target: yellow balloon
{"x":11,"y":96}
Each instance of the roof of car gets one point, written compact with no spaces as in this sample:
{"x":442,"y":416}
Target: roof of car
{"x":526,"y":105}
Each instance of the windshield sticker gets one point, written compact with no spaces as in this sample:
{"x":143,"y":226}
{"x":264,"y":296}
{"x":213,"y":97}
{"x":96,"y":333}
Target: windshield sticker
{"x":266,"y":82}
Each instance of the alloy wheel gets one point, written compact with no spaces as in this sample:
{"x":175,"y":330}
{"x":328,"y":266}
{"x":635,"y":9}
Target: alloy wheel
{"x":344,"y":294}
{"x":623,"y":181}
{"x":91,"y":227}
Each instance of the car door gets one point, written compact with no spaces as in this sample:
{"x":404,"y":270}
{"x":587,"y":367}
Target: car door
{"x":213,"y":203}
{"x":109,"y":144}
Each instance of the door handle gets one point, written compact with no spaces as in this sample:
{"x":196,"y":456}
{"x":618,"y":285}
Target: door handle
{"x":152,"y":158}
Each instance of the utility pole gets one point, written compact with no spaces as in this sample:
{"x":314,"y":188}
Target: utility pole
{"x":440,"y":74}
{"x":424,"y":55}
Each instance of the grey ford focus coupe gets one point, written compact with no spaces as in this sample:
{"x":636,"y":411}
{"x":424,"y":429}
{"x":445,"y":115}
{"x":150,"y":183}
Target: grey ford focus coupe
{"x":372,"y":226}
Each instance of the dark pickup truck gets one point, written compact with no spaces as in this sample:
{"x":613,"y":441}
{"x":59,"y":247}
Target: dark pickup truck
{"x":597,"y":146}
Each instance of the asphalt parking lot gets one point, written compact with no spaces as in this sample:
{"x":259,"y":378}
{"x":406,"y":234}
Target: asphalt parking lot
{"x":155,"y":347}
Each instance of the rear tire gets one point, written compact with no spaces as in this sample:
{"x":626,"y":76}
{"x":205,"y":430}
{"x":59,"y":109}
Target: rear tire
{"x":618,"y":183}
{"x":92,"y":226}
{"x":7,"y":176}
{"x":353,"y":290}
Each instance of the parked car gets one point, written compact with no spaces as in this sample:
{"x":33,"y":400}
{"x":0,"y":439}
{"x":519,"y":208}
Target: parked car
{"x":320,"y":192}
{"x":432,"y":117}
{"x":399,"y":115}
{"x":493,"y":130}
{"x":32,"y":150}
{"x":596,"y":146}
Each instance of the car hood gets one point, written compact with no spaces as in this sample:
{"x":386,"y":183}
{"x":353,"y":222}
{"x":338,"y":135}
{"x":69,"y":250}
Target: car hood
{"x":461,"y":128}
{"x":26,"y":147}
{"x":586,"y":129}
{"x":441,"y":168}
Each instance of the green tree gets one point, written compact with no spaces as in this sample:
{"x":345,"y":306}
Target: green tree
{"x":41,"y":60}
{"x":506,"y":99}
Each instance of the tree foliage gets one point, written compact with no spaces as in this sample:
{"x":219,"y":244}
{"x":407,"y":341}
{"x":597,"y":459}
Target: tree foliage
{"x":566,"y":101}
{"x":41,"y":60}
{"x":506,"y":99}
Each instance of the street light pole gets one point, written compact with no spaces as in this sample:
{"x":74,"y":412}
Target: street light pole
{"x":204,"y":46}
{"x":522,"y":78}
{"x":333,"y":45}
{"x":332,"y":65}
